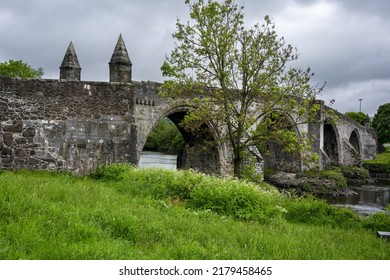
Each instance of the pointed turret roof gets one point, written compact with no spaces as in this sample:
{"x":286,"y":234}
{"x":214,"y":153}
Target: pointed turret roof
{"x":70,"y":59}
{"x":120,"y":54}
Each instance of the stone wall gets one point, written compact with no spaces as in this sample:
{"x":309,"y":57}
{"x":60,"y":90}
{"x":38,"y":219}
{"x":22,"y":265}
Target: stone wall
{"x":64,"y":125}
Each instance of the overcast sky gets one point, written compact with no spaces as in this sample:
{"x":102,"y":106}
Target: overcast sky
{"x":346,"y":43}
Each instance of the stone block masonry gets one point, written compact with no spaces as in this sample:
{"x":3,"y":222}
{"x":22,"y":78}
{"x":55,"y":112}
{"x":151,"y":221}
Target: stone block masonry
{"x":65,"y":125}
{"x":75,"y":125}
{"x":79,"y":125}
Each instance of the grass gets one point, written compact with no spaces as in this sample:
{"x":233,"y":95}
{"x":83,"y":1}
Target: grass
{"x":379,"y":165}
{"x":160,"y":214}
{"x":384,"y":157}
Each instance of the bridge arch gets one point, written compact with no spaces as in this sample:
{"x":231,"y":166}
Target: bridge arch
{"x":354,"y":140}
{"x":275,"y":157}
{"x":202,"y":150}
{"x":331,"y":143}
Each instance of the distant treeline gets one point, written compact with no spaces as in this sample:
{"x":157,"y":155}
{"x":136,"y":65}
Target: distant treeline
{"x":164,"y":137}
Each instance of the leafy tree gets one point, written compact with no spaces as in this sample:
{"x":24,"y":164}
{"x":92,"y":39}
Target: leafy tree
{"x":235,"y":69}
{"x":381,"y":122}
{"x":358,"y":117}
{"x":18,"y":68}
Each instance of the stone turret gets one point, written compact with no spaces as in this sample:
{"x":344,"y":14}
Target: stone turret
{"x":70,"y":68}
{"x":120,"y":64}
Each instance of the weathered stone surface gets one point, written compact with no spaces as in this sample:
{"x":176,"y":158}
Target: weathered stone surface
{"x":8,"y":138}
{"x":20,"y":141}
{"x":29,"y":132}
{"x":18,"y":127}
{"x":77,"y":126}
{"x":33,"y":161}
{"x":19,"y":153}
{"x":6,"y":152}
{"x":315,"y":185}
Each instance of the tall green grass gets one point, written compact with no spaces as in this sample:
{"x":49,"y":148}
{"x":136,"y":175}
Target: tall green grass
{"x":161,"y":214}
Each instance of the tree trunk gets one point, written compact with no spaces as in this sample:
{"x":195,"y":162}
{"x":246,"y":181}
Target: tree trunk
{"x":237,"y":167}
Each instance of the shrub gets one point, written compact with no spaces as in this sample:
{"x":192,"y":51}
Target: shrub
{"x":354,"y":172}
{"x":111,"y":172}
{"x":183,"y":183}
{"x":235,"y":198}
{"x":374,"y":166}
{"x":310,"y":210}
{"x":250,"y":171}
{"x":378,"y":221}
{"x":379,"y":165}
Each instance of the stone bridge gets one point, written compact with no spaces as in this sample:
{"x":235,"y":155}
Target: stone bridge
{"x":75,"y":125}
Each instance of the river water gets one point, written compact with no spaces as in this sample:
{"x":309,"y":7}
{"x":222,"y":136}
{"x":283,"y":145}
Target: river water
{"x":369,"y":199}
{"x":157,"y":159}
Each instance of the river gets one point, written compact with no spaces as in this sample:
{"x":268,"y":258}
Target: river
{"x":370,"y":198}
{"x":158,"y":159}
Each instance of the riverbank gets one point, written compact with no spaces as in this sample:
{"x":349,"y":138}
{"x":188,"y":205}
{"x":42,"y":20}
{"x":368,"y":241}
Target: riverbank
{"x":315,"y":184}
{"x":131,"y":213}
{"x":333,"y":182}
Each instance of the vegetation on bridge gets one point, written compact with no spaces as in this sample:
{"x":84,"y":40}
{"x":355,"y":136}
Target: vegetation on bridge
{"x":359,"y":117}
{"x":129,"y":213}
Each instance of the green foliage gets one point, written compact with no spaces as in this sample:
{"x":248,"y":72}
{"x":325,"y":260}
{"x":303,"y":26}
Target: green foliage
{"x":112,"y":172}
{"x":381,"y":122}
{"x":333,"y":175}
{"x":18,"y":68}
{"x":358,"y":117}
{"x":236,"y":199}
{"x":249,"y":169}
{"x":165,"y":137}
{"x":269,"y":172}
{"x":378,"y":221}
{"x":318,"y":212}
{"x":379,"y":165}
{"x":60,"y":216}
{"x":234,"y":68}
{"x":355,"y":172}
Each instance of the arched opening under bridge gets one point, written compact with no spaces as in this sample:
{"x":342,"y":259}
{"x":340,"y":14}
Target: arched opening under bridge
{"x":192,"y":149}
{"x":331,"y":146}
{"x":278,"y":145}
{"x":354,"y":140}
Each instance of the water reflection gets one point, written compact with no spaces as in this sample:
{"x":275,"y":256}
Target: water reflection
{"x":367,"y":194}
{"x":369,"y":198}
